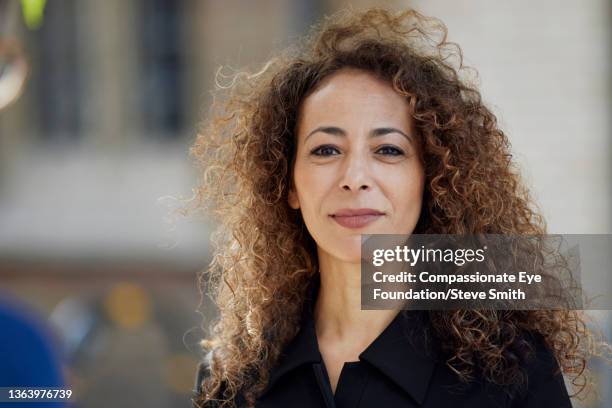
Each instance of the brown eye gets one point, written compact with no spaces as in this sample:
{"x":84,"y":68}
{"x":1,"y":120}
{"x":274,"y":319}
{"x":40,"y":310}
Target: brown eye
{"x":325,"y":150}
{"x":390,"y":151}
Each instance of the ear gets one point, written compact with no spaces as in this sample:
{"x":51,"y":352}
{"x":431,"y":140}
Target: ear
{"x":292,"y":199}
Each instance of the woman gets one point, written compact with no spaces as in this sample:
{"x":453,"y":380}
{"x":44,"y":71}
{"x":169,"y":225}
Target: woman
{"x":366,"y":128}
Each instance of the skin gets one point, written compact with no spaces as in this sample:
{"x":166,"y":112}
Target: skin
{"x":349,"y":167}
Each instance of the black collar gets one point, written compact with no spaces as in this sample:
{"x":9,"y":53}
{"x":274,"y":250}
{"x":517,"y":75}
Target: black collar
{"x":399,"y":352}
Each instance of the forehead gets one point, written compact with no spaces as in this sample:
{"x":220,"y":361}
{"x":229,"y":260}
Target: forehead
{"x":351,"y":95}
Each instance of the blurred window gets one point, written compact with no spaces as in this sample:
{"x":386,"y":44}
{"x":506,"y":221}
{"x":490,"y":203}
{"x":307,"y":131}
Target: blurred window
{"x":162,"y":52}
{"x":56,"y":85}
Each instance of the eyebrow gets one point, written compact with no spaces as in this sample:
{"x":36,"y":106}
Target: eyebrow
{"x":336,"y":131}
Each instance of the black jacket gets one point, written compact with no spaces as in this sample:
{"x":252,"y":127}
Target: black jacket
{"x":398,"y":370}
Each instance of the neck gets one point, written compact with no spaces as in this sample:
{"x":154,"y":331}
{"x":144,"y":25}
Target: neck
{"x":338,"y":314}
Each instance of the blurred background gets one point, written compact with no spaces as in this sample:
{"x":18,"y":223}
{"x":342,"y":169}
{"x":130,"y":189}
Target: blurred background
{"x":101,"y":102}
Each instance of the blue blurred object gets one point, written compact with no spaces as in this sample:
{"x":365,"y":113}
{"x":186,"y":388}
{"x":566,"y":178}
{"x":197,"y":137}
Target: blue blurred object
{"x":29,"y":354}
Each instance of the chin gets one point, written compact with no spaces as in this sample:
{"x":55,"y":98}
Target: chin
{"x":350,"y":252}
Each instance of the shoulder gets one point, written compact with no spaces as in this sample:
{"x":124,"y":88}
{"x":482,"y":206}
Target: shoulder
{"x":545,"y":385}
{"x":203,"y":371}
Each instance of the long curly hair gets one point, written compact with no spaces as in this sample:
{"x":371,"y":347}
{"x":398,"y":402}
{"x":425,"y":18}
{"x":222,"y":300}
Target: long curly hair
{"x":264,"y":256}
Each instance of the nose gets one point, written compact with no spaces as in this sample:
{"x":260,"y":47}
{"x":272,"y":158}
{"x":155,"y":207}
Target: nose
{"x":356,"y":174}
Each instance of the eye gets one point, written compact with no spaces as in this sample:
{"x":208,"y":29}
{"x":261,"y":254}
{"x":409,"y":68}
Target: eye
{"x":390,"y":151}
{"x":325,"y":150}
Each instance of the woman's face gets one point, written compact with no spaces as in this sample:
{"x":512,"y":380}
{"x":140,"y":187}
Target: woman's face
{"x":357,"y":168}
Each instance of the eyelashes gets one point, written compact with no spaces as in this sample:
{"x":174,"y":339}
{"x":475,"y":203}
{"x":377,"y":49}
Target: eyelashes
{"x":328,"y":150}
{"x":394,"y":151}
{"x":319,"y":151}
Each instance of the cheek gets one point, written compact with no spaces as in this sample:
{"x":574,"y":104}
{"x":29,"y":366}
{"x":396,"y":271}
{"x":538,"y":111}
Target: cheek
{"x":406,"y":191}
{"x":309,"y":185}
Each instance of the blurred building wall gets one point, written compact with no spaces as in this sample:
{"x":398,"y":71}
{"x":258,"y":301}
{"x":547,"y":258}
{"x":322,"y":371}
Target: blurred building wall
{"x":545,"y":70}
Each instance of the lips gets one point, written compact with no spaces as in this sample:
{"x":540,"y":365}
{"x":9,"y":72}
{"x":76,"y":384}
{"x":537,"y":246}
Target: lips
{"x":356,"y":217}
{"x":352,"y":212}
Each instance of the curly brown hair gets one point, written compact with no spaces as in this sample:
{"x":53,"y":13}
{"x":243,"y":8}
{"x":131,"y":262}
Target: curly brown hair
{"x":265,"y":258}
